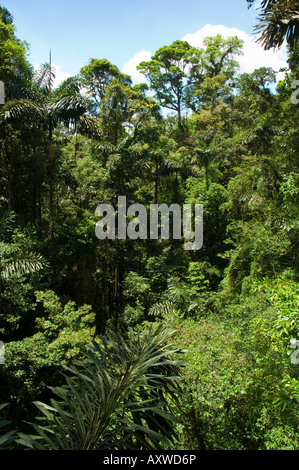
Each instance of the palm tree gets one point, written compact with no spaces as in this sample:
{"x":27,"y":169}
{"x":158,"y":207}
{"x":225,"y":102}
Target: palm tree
{"x":118,"y":398}
{"x":278,"y":21}
{"x":164,"y":160}
{"x":204,"y":156}
{"x":41,"y":106}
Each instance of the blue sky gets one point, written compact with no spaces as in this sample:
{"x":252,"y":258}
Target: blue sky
{"x":126,"y":32}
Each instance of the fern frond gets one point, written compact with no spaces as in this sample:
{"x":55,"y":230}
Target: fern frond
{"x":24,"y":263}
{"x":161,"y":309}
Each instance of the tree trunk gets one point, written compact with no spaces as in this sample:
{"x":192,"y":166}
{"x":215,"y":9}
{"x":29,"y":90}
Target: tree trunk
{"x":51,"y":202}
{"x":156,"y":182}
{"x":179,"y":114}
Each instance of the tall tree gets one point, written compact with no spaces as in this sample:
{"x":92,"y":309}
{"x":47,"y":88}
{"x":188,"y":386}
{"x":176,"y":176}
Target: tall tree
{"x":97,"y":75}
{"x":212,"y":81}
{"x":168,"y":71}
{"x":125,"y":109}
{"x":219,"y":55}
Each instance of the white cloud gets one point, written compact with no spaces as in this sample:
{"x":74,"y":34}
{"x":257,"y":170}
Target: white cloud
{"x":60,"y":75}
{"x":257,"y":4}
{"x":130,"y":67}
{"x":254,"y":55}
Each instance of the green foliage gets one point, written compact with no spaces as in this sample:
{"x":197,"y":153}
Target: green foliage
{"x":97,"y":76}
{"x":167,"y":72}
{"x":240,"y":388}
{"x":24,"y":263}
{"x":7,"y":438}
{"x":13,"y":51}
{"x":219,"y":55}
{"x":232,"y":145}
{"x":16,"y":263}
{"x":138,"y":295}
{"x":215,"y":383}
{"x":62,"y":334}
{"x":212,"y":198}
{"x":117,"y":398}
{"x":278,"y":21}
{"x":68,"y":330}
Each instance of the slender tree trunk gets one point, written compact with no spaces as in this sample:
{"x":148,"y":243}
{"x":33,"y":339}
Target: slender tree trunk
{"x":207,"y":164}
{"x":179,"y":114}
{"x":156,"y":182}
{"x":9,"y":176}
{"x":176,"y":188}
{"x":51,"y":203}
{"x":116,"y":298}
{"x":0,"y":282}
{"x":39,"y":208}
{"x":207,"y":176}
{"x":51,"y":175}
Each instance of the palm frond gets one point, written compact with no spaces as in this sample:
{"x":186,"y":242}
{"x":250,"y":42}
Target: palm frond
{"x":88,"y":125}
{"x":161,"y":309}
{"x":23,"y":263}
{"x":178,"y":290}
{"x":68,"y":107}
{"x":6,"y":437}
{"x":44,"y":77}
{"x":71,"y":84}
{"x":22,"y":111}
{"x":117,"y":398}
{"x":279,"y":21}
